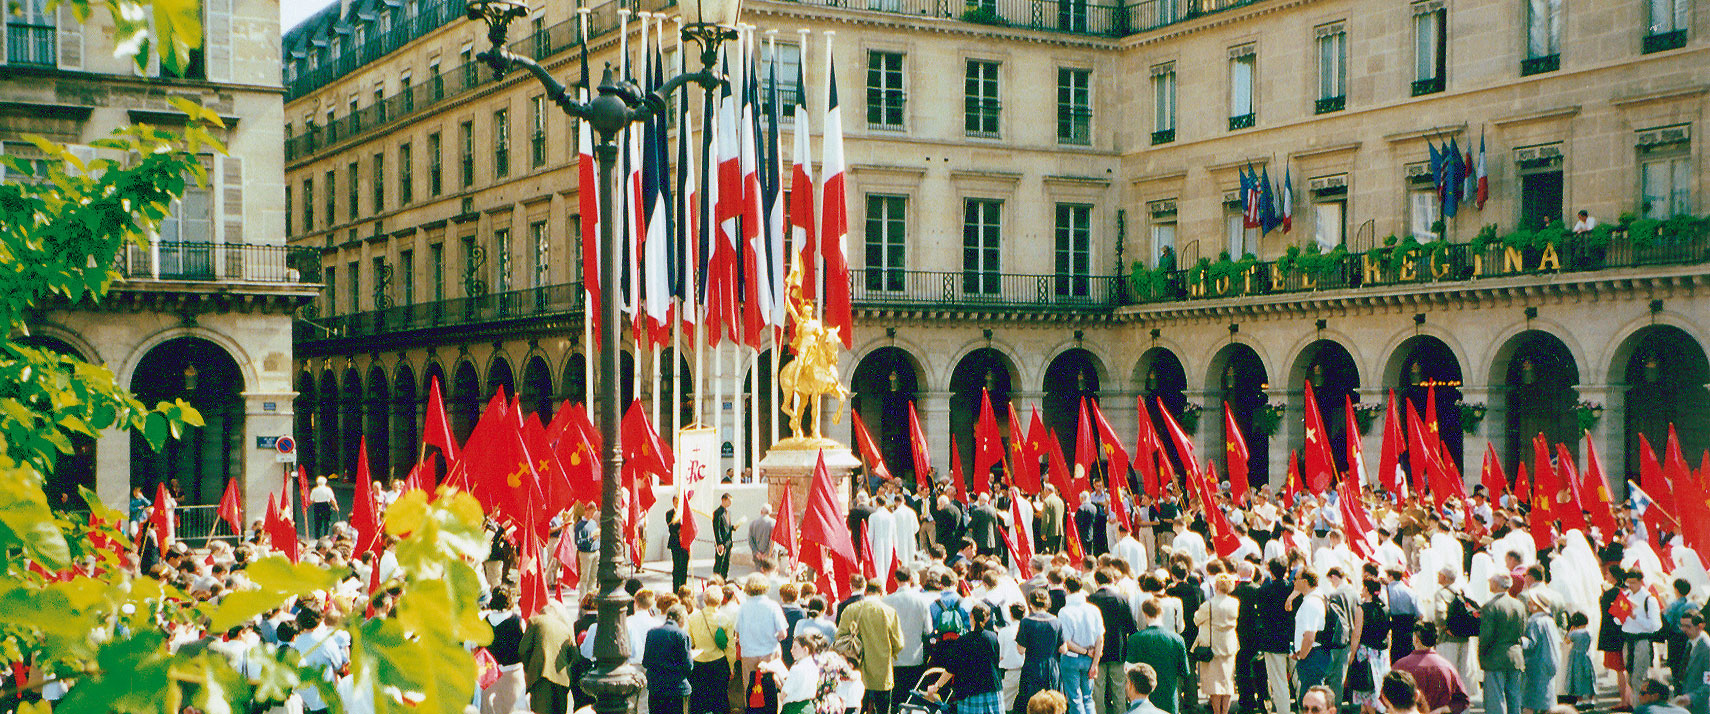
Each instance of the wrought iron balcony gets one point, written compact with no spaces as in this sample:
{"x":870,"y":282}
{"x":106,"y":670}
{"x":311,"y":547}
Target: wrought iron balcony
{"x":561,"y":300}
{"x":222,"y":262}
{"x":882,"y":288}
{"x":1540,"y":65}
{"x":1163,"y":136}
{"x":1330,"y":104}
{"x":1664,"y":41}
{"x":1429,"y":85}
{"x":1243,"y":121}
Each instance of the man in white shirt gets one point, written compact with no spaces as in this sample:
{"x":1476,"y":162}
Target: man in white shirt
{"x":1312,"y":660}
{"x":1585,"y":223}
{"x":1083,"y":640}
{"x":882,"y":535}
{"x":1640,"y":627}
{"x":322,"y":503}
{"x":1333,"y":554}
{"x":1129,"y":549}
{"x":1390,"y":556}
{"x":912,"y":605}
{"x":1189,"y":543}
{"x":1248,"y":547}
{"x":908,"y":530}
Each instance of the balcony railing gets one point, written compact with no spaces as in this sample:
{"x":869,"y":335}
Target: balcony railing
{"x":881,"y":288}
{"x":31,"y":45}
{"x":1418,"y":265}
{"x":1242,"y":121}
{"x":205,"y":262}
{"x":549,"y":301}
{"x":1330,"y":104}
{"x":1163,"y":136}
{"x":1664,"y":41}
{"x":1540,"y":65}
{"x":1153,"y":14}
{"x":1429,"y":85}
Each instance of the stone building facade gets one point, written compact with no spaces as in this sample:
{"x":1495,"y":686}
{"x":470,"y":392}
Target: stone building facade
{"x":1010,"y":165}
{"x":204,"y":311}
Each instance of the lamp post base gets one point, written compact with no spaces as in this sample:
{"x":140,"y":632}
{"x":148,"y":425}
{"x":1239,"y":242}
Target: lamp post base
{"x":614,"y":689}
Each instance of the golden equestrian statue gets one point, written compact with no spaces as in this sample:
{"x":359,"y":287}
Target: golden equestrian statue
{"x":813,"y":373}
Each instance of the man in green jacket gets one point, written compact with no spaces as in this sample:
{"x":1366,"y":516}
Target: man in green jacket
{"x":1501,"y":624}
{"x":1164,"y":651}
{"x":1051,"y":521}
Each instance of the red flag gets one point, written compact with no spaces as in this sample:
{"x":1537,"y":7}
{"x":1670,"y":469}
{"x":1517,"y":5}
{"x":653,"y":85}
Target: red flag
{"x":1694,"y":506}
{"x":373,"y":583}
{"x":784,"y":528}
{"x":869,"y":570}
{"x":1184,"y":448}
{"x":956,"y":472}
{"x":588,"y":201}
{"x":1146,"y":448}
{"x":565,"y":554}
{"x":579,"y":454}
{"x":1223,"y":537}
{"x":1495,"y":481}
{"x":1086,"y":450}
{"x":823,"y":523}
{"x":531,"y":574}
{"x":555,"y":490}
{"x":1522,"y":483}
{"x":1072,"y":538}
{"x":1020,"y":545}
{"x":1389,"y":459}
{"x":1661,"y":514}
{"x":281,"y":531}
{"x":1116,"y":460}
{"x":1024,"y":471}
{"x":1597,"y":489}
{"x":496,"y":465}
{"x":644,"y":455}
{"x":230,"y":510}
{"x":438,"y":428}
{"x":1058,"y":468}
{"x":1545,"y":485}
{"x":1028,"y":476}
{"x":1353,"y":528}
{"x":1433,"y":426}
{"x":834,"y":214}
{"x":1320,"y":463}
{"x":1356,"y":455}
{"x":162,"y":517}
{"x":1235,"y":456}
{"x":1291,"y":489}
{"x":869,"y":449}
{"x":302,"y":492}
{"x":922,"y":458}
{"x":363,"y":515}
{"x":988,"y":444}
{"x":1569,"y":507}
{"x":1428,"y":476}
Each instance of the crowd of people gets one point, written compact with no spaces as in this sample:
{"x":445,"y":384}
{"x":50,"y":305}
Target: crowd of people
{"x":1022,"y":603}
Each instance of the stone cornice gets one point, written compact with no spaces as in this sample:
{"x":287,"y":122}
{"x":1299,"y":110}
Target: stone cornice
{"x":1542,"y":115}
{"x":1418,"y":134}
{"x":937,"y":316}
{"x":1661,"y":95}
{"x":1486,"y":292}
{"x":1326,"y":150}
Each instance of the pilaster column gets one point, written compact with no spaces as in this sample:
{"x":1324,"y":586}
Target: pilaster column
{"x":1608,"y":435}
{"x":265,"y":414}
{"x":113,"y":468}
{"x":1292,"y":430}
{"x":1487,"y":435}
{"x":1371,"y":442}
{"x":933,"y":408}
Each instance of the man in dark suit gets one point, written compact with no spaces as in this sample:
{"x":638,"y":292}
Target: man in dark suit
{"x":723,"y":534}
{"x":545,"y":656}
{"x":666,"y":657}
{"x":983,"y":526}
{"x":674,"y":543}
{"x":1694,"y":683}
{"x":1249,"y":670}
{"x":1502,"y":622}
{"x":1109,"y":677}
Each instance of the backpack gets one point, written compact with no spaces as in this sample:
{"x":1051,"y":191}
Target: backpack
{"x":1335,"y":634}
{"x":1463,"y":617}
{"x":948,"y":619}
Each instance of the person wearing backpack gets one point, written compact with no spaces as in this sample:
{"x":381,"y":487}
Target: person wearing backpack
{"x":1454,"y":616}
{"x":1312,"y":658}
{"x":1342,"y":624}
{"x":712,"y":635}
{"x":945,"y":617}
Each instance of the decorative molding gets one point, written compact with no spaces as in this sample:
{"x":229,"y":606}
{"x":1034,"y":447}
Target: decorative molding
{"x":1165,"y":207}
{"x":1664,"y":136}
{"x":1418,"y":134}
{"x":77,"y":112}
{"x":1078,"y":181}
{"x":1009,"y":177}
{"x":1543,"y":115}
{"x":1661,"y":95}
{"x":915,"y":171}
{"x":1257,"y":163}
{"x":1326,"y":150}
{"x":171,"y":118}
{"x":1160,"y":178}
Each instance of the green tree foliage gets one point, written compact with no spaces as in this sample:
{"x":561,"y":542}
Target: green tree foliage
{"x":68,"y":605}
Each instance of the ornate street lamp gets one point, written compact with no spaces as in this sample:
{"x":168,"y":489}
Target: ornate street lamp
{"x":617,"y":105}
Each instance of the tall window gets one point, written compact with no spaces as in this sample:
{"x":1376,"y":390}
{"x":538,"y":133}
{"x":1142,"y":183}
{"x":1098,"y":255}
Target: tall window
{"x":406,"y":181}
{"x":354,"y":270}
{"x":501,"y":143}
{"x":436,"y":175}
{"x":407,"y":276}
{"x":542,"y":254}
{"x":789,"y":60}
{"x":1543,"y":36}
{"x":1332,"y":68}
{"x":353,"y":189}
{"x":379,"y":182}
{"x":1430,"y":46}
{"x":190,"y":219}
{"x":980,"y":99}
{"x":308,"y":205}
{"x":1665,"y":172}
{"x":467,"y":131}
{"x":1163,"y":233}
{"x":332,"y":290}
{"x":1239,"y":240}
{"x":332,"y":197}
{"x":502,"y":262}
{"x":436,"y":81}
{"x":1243,"y":61}
{"x":1072,"y":15}
{"x":1667,"y":27}
{"x":1074,"y":106}
{"x":982,"y":225}
{"x":887,"y":226}
{"x":1074,"y":249}
{"x":1329,"y":219}
{"x":31,"y":35}
{"x":1164,"y":103}
{"x":409,"y":97}
{"x":537,"y":131}
{"x":288,"y":211}
{"x":1424,"y":206}
{"x":885,"y":95}
{"x":436,"y":255}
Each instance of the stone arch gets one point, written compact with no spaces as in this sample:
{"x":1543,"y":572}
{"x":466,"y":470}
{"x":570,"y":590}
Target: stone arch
{"x":1101,"y":363}
{"x":246,"y":365}
{"x":1502,"y":347}
{"x":465,"y":399}
{"x":201,"y":460}
{"x":1161,"y":378}
{"x":534,"y":392}
{"x":1238,"y":375}
{"x":1661,"y":384}
{"x":350,"y":413}
{"x":303,"y":421}
{"x":405,"y":407}
{"x":500,"y":376}
{"x":74,"y":343}
{"x":1334,"y":373}
{"x":574,"y":376}
{"x":912,"y":349}
{"x":883,"y":384}
{"x":326,"y":423}
{"x":1391,"y":371}
{"x":1538,"y":378}
{"x":1069,"y":376}
{"x":981,"y":369}
{"x":1424,"y":370}
{"x":948,"y":369}
{"x":379,"y":423}
{"x":1217,"y":359}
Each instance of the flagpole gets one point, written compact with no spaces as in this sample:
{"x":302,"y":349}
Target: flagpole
{"x":683,"y":303}
{"x":777,"y":299}
{"x":819,"y":190}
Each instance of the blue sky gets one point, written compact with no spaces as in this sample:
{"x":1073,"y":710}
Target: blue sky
{"x":292,"y":12}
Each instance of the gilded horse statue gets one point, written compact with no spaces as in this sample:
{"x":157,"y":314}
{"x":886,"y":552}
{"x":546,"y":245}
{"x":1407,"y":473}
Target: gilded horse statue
{"x":813,"y":373}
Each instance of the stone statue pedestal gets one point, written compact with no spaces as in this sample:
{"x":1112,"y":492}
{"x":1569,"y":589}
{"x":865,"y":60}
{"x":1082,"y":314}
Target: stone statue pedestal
{"x":789,"y":465}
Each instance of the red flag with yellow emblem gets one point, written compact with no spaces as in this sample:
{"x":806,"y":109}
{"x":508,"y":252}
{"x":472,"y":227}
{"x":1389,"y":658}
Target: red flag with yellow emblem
{"x":1595,"y":490}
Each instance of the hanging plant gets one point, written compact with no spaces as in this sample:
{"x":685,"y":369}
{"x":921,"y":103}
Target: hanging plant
{"x":1267,"y":419}
{"x":1365,"y":415}
{"x":1471,"y":415}
{"x":1587,"y":413}
{"x":1189,"y":418}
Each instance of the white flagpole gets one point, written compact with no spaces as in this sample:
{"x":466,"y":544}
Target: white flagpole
{"x":677,"y":316}
{"x":819,"y":192}
{"x":589,"y":378}
{"x":738,"y":440}
{"x":777,"y":160}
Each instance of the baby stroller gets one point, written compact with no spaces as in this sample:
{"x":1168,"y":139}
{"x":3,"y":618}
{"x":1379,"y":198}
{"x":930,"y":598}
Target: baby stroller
{"x":929,"y":695}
